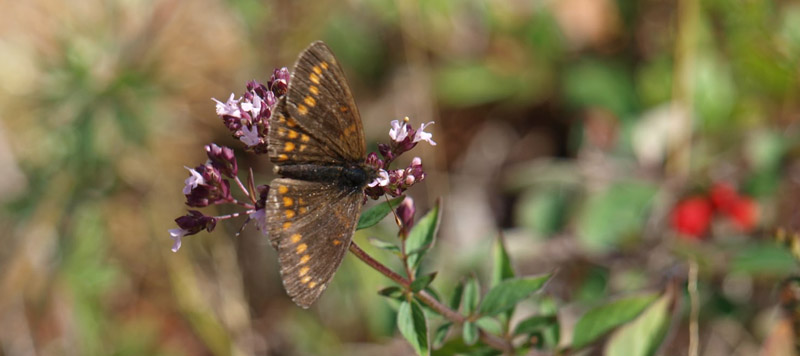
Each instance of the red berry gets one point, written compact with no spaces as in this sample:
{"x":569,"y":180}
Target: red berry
{"x":692,"y":216}
{"x":743,"y":213}
{"x":723,"y":195}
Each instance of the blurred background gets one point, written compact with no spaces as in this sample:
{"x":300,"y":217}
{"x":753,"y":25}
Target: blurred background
{"x":575,"y":127}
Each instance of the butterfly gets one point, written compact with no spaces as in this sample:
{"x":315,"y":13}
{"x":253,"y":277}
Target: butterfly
{"x":316,"y":141}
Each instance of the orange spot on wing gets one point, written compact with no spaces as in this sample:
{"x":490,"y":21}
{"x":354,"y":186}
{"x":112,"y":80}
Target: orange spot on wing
{"x":303,"y":148}
{"x":288,"y":146}
{"x":303,"y":271}
{"x":282,"y":157}
{"x":310,"y":101}
{"x":312,"y":284}
{"x":324,"y":64}
{"x":305,"y":279}
{"x":295,"y":238}
{"x":337,"y":242}
{"x":305,"y":138}
{"x":283,"y":189}
{"x":287,"y":225}
{"x":302,"y":109}
{"x":314,"y":90}
{"x":287,"y":202}
{"x":304,"y":259}
{"x":301,"y":248}
{"x":292,"y":134}
{"x":344,"y":108}
{"x":314,"y":78}
{"x":289,"y":213}
{"x":316,"y":69}
{"x":302,"y":210}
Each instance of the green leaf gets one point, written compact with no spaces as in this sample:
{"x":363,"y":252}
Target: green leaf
{"x":489,"y":325}
{"x":600,"y":320}
{"x":441,"y":334}
{"x":764,"y":259}
{"x":455,"y":299}
{"x":421,"y":237}
{"x":393,"y":292}
{"x":411,"y":322}
{"x":510,"y":292}
{"x":384,"y":245}
{"x":611,"y":216}
{"x":472,"y":296}
{"x":422,"y":282}
{"x":601,"y":83}
{"x":376,"y":213}
{"x":502,"y":263}
{"x":470,"y":332}
{"x":642,"y":336}
{"x":535,"y":323}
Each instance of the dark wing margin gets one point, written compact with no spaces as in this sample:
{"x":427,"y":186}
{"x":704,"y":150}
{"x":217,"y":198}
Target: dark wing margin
{"x":311,"y":225}
{"x":320,"y":102}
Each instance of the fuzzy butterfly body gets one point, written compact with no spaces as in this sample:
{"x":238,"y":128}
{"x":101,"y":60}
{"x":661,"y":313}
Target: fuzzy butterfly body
{"x":316,"y":141}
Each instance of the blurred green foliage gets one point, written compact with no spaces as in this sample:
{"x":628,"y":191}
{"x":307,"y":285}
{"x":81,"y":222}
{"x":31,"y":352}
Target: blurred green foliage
{"x":102,"y":103}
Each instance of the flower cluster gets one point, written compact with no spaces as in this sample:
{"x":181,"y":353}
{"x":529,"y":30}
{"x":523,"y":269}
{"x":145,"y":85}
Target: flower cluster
{"x":248,"y":120}
{"x":248,"y":117}
{"x":692,"y":216}
{"x":395,"y":182}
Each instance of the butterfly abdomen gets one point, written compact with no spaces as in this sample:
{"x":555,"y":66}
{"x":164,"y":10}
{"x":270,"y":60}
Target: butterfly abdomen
{"x":353,"y":176}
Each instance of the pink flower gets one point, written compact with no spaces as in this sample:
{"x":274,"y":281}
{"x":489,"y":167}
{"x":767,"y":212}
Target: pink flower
{"x":421,"y":135}
{"x":229,"y":108}
{"x":193,"y":180}
{"x":382,"y":180}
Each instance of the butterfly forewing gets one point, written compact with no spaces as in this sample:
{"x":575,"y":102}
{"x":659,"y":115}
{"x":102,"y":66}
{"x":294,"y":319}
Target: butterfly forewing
{"x":317,"y":140}
{"x":311,"y":225}
{"x":319,"y":100}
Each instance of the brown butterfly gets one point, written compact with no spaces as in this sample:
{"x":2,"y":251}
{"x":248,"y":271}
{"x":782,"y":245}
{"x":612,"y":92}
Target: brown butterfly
{"x":317,"y":143}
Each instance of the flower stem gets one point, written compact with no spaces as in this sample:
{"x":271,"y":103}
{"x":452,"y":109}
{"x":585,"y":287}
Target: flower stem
{"x":491,"y":340}
{"x":694,"y":337}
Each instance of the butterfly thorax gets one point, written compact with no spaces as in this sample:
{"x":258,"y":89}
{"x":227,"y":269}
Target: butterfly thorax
{"x":352,"y":175}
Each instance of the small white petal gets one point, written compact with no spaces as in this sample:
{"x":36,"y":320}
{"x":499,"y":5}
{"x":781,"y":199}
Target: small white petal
{"x":399,"y":131}
{"x":250,"y":136}
{"x":416,"y":161}
{"x":231,"y":107}
{"x":424,"y":136}
{"x":192,"y":182}
{"x":176,"y":235}
{"x":382,"y":180}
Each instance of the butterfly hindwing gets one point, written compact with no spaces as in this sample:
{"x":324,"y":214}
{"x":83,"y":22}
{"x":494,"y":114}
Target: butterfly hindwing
{"x":320,"y":102}
{"x":311,"y":225}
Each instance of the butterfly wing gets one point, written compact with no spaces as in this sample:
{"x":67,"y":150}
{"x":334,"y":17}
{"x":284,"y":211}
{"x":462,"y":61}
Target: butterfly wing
{"x":317,"y":121}
{"x":311,"y":225}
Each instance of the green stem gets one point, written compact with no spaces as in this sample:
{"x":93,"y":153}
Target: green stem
{"x":425,"y":297}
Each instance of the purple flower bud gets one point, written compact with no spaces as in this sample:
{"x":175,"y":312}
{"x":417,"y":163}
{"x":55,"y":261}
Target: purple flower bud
{"x":279,"y":82}
{"x":386,"y":151}
{"x":223,"y":159}
{"x":191,"y":224}
{"x":406,"y":212}
{"x":212,"y":190}
{"x":374,"y":161}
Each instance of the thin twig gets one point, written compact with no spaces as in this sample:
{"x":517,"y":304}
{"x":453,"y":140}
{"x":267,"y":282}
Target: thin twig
{"x":425,"y":297}
{"x":694,"y":337}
